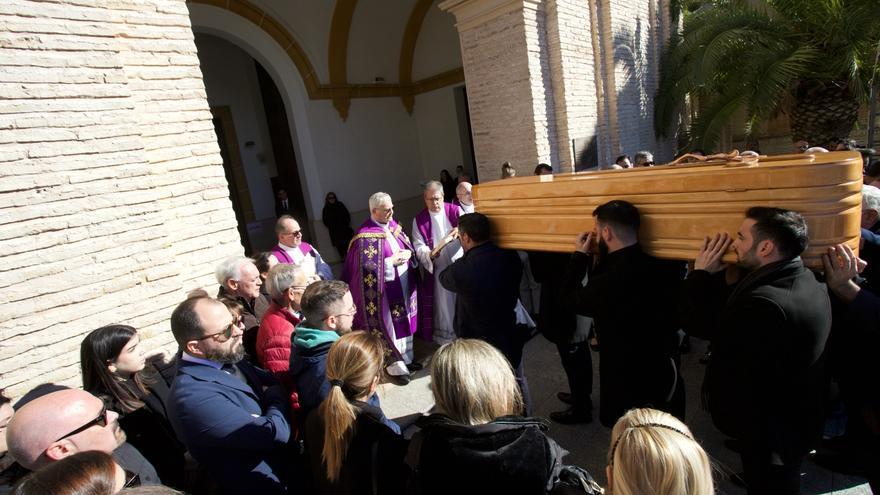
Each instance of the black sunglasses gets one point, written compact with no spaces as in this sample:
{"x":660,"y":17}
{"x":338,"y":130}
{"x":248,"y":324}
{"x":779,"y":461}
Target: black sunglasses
{"x":101,"y":421}
{"x":226,"y":333}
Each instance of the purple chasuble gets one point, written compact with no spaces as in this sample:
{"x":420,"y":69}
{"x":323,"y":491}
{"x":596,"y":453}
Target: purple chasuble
{"x":426,"y":283}
{"x":282,"y":256}
{"x":374,"y":297}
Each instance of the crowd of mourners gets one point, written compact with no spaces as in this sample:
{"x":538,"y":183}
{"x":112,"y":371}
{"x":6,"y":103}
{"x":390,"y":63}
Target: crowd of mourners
{"x":273,"y":388}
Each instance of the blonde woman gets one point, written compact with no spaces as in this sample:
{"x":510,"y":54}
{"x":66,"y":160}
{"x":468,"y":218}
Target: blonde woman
{"x":478,"y":442}
{"x":352,"y":446}
{"x":652,"y":452}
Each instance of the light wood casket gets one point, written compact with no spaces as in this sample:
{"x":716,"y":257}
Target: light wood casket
{"x":681,"y":204}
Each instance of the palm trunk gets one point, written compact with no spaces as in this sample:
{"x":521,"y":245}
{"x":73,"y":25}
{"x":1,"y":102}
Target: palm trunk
{"x":823,"y":113}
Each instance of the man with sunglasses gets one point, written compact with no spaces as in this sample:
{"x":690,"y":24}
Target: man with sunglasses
{"x":231,"y":416}
{"x":292,"y":249}
{"x":61,"y":423}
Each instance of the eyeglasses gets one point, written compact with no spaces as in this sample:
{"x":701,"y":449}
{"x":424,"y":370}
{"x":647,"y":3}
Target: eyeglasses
{"x":223,"y":335}
{"x":295,"y":233}
{"x":298,"y":287}
{"x":101,"y":421}
{"x":351,"y":312}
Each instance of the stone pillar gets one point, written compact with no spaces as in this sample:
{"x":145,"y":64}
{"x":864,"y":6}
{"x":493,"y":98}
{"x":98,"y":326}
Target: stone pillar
{"x":503,"y":44}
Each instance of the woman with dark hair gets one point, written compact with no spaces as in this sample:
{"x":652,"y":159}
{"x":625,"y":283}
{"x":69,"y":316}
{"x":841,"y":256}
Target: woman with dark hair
{"x":338,"y":221}
{"x":354,"y":448}
{"x":114,"y":368}
{"x":449,"y":185}
{"x":84,"y":473}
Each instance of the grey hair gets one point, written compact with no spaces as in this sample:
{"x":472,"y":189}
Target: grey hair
{"x":230,"y":268}
{"x":643,"y":155}
{"x":378,"y":198}
{"x":433,"y":185}
{"x":282,"y":277}
{"x":871,"y":198}
{"x":279,"y":225}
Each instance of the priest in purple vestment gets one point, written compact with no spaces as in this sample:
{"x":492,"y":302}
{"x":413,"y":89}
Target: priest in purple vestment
{"x":382,"y":273}
{"x":434,"y":226}
{"x":293,"y":250}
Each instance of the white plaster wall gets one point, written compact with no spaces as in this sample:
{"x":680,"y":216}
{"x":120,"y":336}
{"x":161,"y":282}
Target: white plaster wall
{"x":376,"y":149}
{"x":374,"y":40}
{"x":437,"y":126}
{"x":309,"y":22}
{"x":231,"y":80}
{"x":437,"y":49}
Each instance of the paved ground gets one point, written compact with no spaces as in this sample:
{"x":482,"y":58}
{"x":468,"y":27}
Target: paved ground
{"x":588,"y":444}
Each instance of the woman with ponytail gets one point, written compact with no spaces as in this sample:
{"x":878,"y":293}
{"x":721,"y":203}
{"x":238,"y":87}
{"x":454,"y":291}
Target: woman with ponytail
{"x":352,"y":446}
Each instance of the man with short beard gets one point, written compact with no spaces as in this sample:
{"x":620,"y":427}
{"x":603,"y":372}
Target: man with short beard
{"x":766,"y":380}
{"x":231,"y":416}
{"x":329,"y":310}
{"x":631,"y":297}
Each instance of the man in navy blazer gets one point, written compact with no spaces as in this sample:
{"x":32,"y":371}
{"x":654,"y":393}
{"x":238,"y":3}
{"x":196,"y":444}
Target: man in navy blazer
{"x":231,"y":416}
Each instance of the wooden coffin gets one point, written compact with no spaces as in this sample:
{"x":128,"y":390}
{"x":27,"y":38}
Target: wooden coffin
{"x":681,"y":204}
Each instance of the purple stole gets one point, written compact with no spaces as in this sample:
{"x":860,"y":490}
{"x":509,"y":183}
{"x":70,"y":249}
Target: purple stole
{"x":282,"y":256}
{"x":365,"y":273}
{"x":426,"y":283}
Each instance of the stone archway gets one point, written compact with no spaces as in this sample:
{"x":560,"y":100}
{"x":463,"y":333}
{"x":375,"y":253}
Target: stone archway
{"x":285,"y":72}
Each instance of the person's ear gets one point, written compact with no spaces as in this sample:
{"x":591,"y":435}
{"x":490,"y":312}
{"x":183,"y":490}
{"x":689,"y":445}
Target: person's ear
{"x":766,"y":248}
{"x":61,"y":449}
{"x":192,"y":348}
{"x":374,"y":386}
{"x":607,"y":234}
{"x":232,"y":284}
{"x":111,"y":367}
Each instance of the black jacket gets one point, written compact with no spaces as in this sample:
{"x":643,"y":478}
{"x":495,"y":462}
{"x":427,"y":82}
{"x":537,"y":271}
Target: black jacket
{"x":511,"y":455}
{"x":632,"y":298}
{"x":766,"y":381}
{"x":373,"y":464}
{"x":556,"y":321}
{"x":486,"y":280}
{"x":149,"y":430}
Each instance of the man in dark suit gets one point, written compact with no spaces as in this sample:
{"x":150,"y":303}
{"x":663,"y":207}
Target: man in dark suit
{"x":766,"y":380}
{"x":631,"y":298}
{"x":486,"y":280}
{"x":231,"y":416}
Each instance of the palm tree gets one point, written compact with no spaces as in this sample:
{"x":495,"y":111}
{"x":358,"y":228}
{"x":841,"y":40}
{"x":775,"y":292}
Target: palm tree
{"x":813,"y":59}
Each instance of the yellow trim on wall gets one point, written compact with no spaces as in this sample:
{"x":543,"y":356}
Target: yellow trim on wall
{"x":337,"y":53}
{"x":408,"y":49}
{"x":340,"y":93}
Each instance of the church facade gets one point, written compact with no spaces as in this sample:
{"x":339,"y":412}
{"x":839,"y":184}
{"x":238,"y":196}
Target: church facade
{"x":143,"y":141}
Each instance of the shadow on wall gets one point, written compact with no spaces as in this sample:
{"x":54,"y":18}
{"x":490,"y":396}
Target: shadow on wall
{"x":635,"y":55}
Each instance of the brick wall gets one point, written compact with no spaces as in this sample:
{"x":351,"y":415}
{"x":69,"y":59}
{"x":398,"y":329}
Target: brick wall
{"x":113,"y":201}
{"x":502,"y":68}
{"x":542,"y":73}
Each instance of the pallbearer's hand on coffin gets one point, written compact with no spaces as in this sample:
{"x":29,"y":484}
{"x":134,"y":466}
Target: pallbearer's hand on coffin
{"x":584,"y":242}
{"x":713,"y":249}
{"x":841,"y":266}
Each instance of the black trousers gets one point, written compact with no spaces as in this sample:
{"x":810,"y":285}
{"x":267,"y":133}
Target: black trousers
{"x":578,"y":365}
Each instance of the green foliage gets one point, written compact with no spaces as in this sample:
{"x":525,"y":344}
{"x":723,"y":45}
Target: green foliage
{"x":755,"y":54}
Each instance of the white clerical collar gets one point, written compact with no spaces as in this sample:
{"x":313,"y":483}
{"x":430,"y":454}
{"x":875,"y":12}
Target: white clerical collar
{"x":436,"y":213}
{"x":288,"y":248}
{"x":384,"y":226}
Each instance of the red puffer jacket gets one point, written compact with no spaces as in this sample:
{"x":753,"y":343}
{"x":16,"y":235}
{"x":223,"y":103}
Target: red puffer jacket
{"x":273,"y":341}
